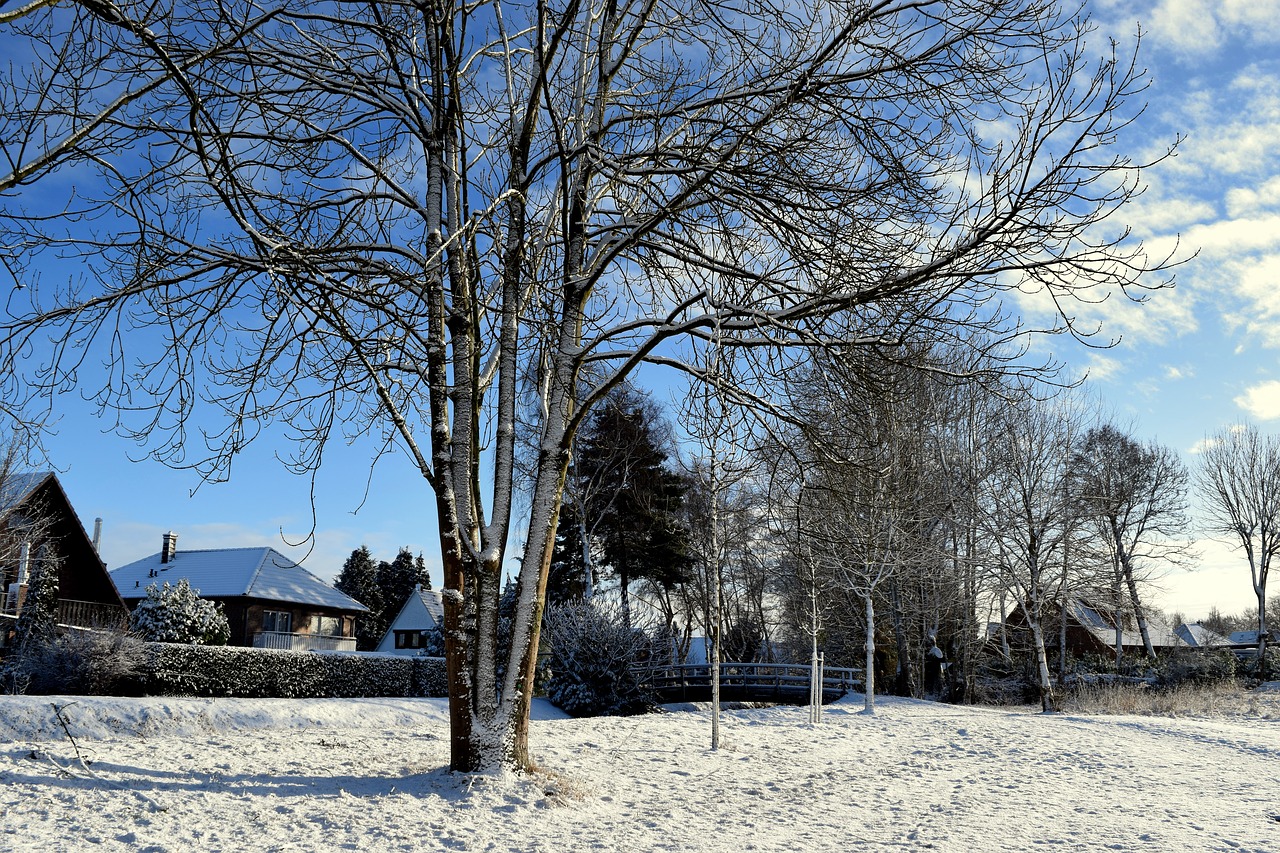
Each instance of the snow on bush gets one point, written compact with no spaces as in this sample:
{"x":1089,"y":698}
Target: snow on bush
{"x":177,"y":614}
{"x":590,"y":657}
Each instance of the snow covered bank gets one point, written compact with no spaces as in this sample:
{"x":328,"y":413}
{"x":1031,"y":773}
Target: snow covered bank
{"x":363,"y":775}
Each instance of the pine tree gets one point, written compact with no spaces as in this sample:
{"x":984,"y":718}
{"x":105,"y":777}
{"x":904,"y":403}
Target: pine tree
{"x":634,"y":500}
{"x":359,"y":579}
{"x":566,"y":580}
{"x":397,"y":580}
{"x":38,"y":621}
{"x":421,"y":566}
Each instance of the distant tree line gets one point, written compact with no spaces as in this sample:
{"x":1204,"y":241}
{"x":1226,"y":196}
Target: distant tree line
{"x":899,"y":508}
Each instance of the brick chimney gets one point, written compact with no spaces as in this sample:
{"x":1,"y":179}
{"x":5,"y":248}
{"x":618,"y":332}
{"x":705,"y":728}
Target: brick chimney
{"x":170,"y":548}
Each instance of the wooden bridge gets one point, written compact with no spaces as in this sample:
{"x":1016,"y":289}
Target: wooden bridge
{"x":747,"y":682}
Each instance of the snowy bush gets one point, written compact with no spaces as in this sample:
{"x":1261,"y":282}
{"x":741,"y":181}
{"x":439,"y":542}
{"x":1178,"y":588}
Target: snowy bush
{"x":590,"y":658}
{"x":82,"y":662}
{"x":177,"y":614}
{"x":1196,"y":666}
{"x":1252,"y":672}
{"x":189,"y":670}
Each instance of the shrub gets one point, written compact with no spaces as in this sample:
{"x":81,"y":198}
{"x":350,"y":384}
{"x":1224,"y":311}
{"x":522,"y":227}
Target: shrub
{"x":590,"y":658}
{"x":1196,"y":666}
{"x":1250,"y":670}
{"x":176,"y":614}
{"x":78,"y":661}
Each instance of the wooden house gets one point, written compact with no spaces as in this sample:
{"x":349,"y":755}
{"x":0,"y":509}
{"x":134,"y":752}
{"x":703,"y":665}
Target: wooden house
{"x":39,"y":527}
{"x":271,"y":602}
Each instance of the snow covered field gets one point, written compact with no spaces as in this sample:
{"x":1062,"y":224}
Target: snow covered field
{"x":205,"y":775}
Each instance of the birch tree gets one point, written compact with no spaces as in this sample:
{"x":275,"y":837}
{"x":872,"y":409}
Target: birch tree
{"x":408,"y":223}
{"x":1239,"y":479}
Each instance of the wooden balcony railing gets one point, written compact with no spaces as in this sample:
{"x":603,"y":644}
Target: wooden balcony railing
{"x":91,"y":614}
{"x":303,"y":642}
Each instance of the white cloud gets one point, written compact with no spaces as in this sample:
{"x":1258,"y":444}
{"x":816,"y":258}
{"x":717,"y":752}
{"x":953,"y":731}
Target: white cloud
{"x":1201,"y":446}
{"x":1258,"y":21}
{"x":1220,"y":579}
{"x":1196,"y":28}
{"x":1174,"y":372}
{"x":1262,"y":400}
{"x":1187,"y":26}
{"x":1247,"y":201}
{"x":1101,"y":367}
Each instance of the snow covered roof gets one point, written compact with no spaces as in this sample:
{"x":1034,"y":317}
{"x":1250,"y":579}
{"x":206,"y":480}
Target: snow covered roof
{"x":1198,"y":636}
{"x":262,"y":573}
{"x":1245,"y":638}
{"x":1100,"y":624}
{"x":18,"y":487}
{"x":421,"y":611}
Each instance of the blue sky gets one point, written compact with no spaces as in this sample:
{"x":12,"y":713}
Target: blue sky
{"x":1190,"y":362}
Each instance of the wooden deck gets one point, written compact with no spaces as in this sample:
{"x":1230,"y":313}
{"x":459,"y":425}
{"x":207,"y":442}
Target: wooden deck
{"x":786,"y":683}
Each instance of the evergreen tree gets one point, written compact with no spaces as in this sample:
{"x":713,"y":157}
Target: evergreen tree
{"x":633,"y":504}
{"x":397,"y":579}
{"x":566,"y":580}
{"x":359,"y":579}
{"x":38,"y":621}
{"x":421,"y":566}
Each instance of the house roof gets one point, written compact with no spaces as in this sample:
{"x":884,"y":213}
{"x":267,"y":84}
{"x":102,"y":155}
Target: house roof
{"x":1197,"y":635}
{"x":421,"y":611}
{"x":1244,"y":638}
{"x":262,"y":573}
{"x":16,"y":488}
{"x":1098,"y":622}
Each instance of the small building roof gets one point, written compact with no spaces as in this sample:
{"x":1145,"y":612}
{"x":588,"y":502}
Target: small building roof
{"x":421,"y":611}
{"x":1245,"y":638}
{"x":261,"y":573}
{"x":1099,"y":622}
{"x":1198,"y":636}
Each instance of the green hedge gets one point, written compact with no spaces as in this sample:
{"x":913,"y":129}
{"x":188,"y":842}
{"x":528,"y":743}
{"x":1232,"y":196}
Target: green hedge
{"x":176,"y":669}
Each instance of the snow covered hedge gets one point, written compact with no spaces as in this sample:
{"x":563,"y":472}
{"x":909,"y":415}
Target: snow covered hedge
{"x":188,"y":670}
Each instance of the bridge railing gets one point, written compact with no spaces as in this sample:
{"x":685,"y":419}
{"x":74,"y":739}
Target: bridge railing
{"x":761,"y":677}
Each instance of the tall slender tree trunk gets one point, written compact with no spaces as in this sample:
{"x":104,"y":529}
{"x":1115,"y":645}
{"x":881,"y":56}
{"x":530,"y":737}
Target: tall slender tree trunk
{"x":869,"y":692}
{"x":1045,"y":684}
{"x":1005,"y":650}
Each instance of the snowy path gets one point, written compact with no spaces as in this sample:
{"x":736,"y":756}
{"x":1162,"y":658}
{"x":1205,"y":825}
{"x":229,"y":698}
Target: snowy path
{"x":361,"y":775}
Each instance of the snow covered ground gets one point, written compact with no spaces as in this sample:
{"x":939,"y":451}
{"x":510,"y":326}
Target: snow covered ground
{"x":206,"y":775}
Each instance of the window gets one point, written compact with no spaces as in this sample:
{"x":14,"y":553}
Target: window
{"x":326,"y":626}
{"x":408,"y":639}
{"x":280,"y":621}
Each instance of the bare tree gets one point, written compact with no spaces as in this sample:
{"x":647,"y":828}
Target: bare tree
{"x":1030,"y":518}
{"x":1136,"y":495}
{"x":397,"y":222}
{"x":1239,"y":479}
